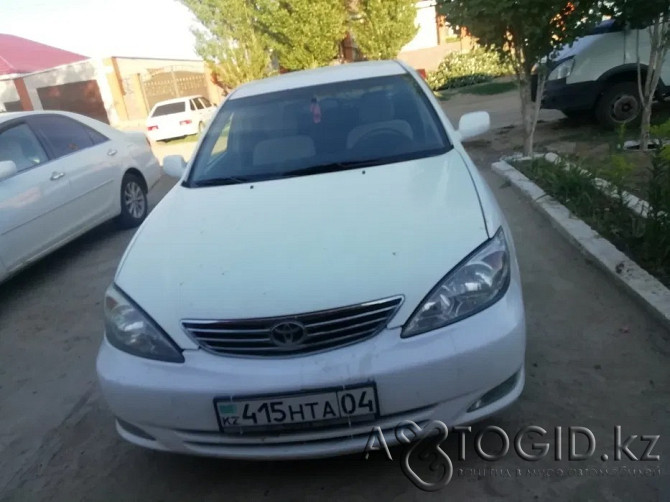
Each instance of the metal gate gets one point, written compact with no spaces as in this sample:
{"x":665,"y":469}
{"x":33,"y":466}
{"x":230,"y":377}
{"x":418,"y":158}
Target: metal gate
{"x":172,"y":82}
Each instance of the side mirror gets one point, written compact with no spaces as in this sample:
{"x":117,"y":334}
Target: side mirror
{"x":473,"y":124}
{"x":174,"y":166}
{"x":7,"y":169}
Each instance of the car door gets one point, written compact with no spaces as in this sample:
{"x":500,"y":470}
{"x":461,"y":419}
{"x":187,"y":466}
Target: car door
{"x":33,"y":218}
{"x":207,"y":109}
{"x":198,"y":107}
{"x":195,"y":113}
{"x":89,"y":161}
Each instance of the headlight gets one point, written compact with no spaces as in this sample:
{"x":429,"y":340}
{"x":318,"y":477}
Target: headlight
{"x":129,"y":329}
{"x":475,"y":284}
{"x":563,"y":70}
{"x":537,"y":65}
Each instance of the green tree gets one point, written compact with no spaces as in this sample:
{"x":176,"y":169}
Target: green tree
{"x":229,"y":41}
{"x":382,"y":27}
{"x":303,"y":33}
{"x":524,"y":31}
{"x":654,"y":17}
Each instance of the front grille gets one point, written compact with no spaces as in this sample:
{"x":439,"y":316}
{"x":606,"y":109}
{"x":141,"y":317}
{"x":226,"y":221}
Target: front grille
{"x":311,"y":332}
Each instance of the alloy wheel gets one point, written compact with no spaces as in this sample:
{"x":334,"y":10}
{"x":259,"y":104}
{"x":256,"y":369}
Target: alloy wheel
{"x":134,"y":199}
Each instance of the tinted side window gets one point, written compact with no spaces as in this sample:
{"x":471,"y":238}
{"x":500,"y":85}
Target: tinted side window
{"x":198,"y":104}
{"x":205,"y":102}
{"x":20,"y":145}
{"x":169,"y":109}
{"x":95,"y":136}
{"x":63,"y":135}
{"x":192,"y":104}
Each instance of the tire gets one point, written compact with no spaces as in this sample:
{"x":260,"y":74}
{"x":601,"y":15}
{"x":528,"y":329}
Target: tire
{"x":619,"y":105}
{"x":134,"y":204}
{"x":201,"y":127}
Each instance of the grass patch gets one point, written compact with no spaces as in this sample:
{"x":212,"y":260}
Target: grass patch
{"x":636,"y":180}
{"x":645,"y":240}
{"x":490,"y":88}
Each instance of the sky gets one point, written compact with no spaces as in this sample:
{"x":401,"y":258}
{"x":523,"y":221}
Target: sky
{"x":102,"y":28}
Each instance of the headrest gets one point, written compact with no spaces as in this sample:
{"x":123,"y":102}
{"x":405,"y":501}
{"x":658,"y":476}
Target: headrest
{"x":376,"y":107}
{"x":280,"y":150}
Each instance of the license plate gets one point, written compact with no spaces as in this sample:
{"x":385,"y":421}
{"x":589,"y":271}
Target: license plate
{"x":314,"y":408}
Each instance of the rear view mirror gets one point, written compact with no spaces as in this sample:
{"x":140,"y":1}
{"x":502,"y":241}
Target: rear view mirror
{"x":7,"y":169}
{"x":174,"y":166}
{"x":473,"y":124}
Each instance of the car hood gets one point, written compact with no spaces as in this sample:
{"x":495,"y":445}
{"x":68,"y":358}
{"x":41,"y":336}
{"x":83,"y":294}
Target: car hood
{"x":303,"y":244}
{"x":570,"y":50}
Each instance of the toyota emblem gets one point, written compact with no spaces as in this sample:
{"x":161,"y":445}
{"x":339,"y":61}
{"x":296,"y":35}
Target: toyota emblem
{"x":288,"y":334}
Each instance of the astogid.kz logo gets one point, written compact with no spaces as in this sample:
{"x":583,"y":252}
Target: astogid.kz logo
{"x":424,"y":446}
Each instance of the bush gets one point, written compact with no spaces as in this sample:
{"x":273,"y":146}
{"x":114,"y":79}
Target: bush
{"x":460,"y":69}
{"x":645,"y":240}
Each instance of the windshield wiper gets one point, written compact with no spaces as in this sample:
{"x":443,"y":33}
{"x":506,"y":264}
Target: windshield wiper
{"x":318,"y":169}
{"x":336,"y":166}
{"x":227,"y":180}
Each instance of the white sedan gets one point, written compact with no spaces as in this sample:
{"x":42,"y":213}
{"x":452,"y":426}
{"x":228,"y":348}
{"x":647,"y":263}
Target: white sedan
{"x":179,"y":117}
{"x":62,"y":174}
{"x":331,"y":261}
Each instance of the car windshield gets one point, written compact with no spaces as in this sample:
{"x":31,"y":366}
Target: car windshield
{"x":608,"y":26}
{"x":319,"y":129}
{"x":169,"y":109}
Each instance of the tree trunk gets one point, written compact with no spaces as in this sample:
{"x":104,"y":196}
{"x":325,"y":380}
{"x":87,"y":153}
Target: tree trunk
{"x":658,"y":38}
{"x":529,"y":110}
{"x":528,"y":115}
{"x":541,"y":81}
{"x":645,"y":126}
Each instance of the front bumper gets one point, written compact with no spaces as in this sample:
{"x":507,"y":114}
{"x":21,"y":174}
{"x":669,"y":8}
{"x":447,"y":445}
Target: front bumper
{"x":559,"y":95}
{"x":434,"y":376}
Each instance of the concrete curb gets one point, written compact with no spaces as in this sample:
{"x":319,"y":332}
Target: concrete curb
{"x":643,"y":286}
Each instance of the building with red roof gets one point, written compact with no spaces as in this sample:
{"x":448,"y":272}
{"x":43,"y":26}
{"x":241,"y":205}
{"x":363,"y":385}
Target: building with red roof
{"x":35,"y":76}
{"x":20,"y":55}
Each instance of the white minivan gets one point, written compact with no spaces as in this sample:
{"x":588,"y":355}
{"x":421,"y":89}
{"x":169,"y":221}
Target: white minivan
{"x":597,"y":74}
{"x":179,"y":117}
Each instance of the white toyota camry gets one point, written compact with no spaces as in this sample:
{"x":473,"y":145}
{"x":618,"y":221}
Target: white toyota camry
{"x":330,"y":261}
{"x":61,"y":174}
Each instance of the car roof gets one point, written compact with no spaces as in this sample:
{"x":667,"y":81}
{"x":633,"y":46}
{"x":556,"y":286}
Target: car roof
{"x":6,"y":116}
{"x":319,"y":76}
{"x":96,"y":124}
{"x":177,"y":100}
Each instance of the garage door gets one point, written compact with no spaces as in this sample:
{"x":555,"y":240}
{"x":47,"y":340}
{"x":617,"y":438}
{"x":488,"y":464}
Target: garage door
{"x":13,"y":106}
{"x":77,"y":97}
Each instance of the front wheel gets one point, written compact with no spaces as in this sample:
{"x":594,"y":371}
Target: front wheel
{"x":201,"y":127}
{"x":134,"y":205}
{"x":619,"y":105}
